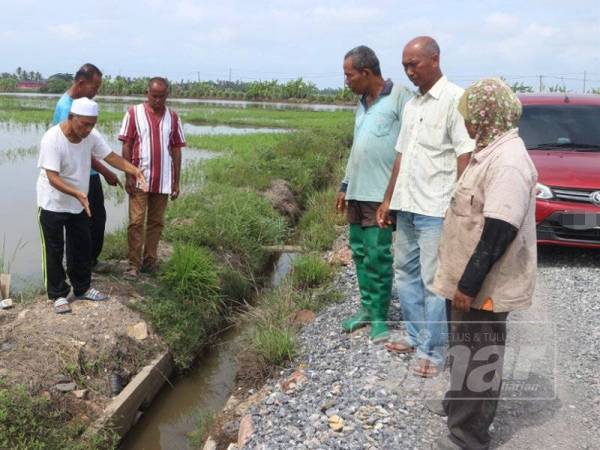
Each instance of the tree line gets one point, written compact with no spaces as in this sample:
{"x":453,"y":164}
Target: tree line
{"x":272,"y":90}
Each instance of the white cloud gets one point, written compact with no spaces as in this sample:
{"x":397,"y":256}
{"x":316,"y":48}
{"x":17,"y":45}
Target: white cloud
{"x":541,"y":31}
{"x":345,"y":14}
{"x":68,"y":31}
{"x":501,"y":22}
{"x":222,"y":35}
{"x":189,"y":10}
{"x":7,"y":35}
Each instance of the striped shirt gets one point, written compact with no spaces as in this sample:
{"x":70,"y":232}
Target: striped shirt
{"x":151,"y":138}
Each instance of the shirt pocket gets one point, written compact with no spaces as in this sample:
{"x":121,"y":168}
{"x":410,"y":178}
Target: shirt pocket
{"x":464,"y":204}
{"x":431,"y":135}
{"x":382,"y":124}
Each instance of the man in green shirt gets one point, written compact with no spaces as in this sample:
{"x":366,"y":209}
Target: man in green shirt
{"x":376,"y":128}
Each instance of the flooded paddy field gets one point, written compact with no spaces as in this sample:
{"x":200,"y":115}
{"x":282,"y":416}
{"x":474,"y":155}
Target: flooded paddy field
{"x":235,"y":154}
{"x":19,"y":148}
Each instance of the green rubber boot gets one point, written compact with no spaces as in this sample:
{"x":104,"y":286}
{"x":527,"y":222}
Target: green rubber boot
{"x":379,"y":269}
{"x":362,"y":317}
{"x":356,"y":321}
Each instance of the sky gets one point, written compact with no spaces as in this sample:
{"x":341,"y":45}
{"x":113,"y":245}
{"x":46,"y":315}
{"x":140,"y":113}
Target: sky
{"x":249,"y":40}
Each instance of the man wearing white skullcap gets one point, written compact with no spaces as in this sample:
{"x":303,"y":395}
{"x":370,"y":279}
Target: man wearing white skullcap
{"x":87,"y":82}
{"x":63,"y":208}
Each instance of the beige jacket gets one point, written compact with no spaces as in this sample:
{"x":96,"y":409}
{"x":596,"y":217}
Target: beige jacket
{"x":498,"y":183}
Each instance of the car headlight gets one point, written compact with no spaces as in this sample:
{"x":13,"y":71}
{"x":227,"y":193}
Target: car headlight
{"x":543,"y":192}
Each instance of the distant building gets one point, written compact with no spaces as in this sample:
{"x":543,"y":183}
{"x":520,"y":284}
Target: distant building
{"x":31,"y":85}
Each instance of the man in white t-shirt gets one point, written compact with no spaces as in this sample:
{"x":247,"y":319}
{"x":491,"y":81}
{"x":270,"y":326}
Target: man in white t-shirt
{"x":65,"y":159}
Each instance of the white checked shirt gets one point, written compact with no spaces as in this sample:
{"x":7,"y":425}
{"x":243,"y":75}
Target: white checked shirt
{"x":433,"y":135}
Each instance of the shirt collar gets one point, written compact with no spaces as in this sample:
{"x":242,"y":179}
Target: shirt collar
{"x":437,"y":89}
{"x":482,"y":154}
{"x":387,"y":90}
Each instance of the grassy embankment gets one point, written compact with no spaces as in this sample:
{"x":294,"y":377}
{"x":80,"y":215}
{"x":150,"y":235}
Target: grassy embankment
{"x":218,"y":231}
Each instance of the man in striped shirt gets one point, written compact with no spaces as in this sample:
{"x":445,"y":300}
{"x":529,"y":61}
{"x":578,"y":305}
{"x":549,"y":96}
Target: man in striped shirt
{"x":152,"y":138}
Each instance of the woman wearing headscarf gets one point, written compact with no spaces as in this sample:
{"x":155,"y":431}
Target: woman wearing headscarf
{"x":487,"y":259}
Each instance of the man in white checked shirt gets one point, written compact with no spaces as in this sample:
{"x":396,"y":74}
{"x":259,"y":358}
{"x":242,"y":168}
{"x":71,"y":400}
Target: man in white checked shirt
{"x":152,"y":138}
{"x":433,"y":149}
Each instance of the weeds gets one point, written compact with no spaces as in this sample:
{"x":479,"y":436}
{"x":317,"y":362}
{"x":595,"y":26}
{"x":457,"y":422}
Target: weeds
{"x":115,"y":244}
{"x":317,"y":226}
{"x":275,"y":344}
{"x":187,"y":308}
{"x":5,"y":262}
{"x":190,"y":274}
{"x":310,"y":271}
{"x":204,"y":422}
{"x":184,"y":325}
{"x":229,"y":220}
{"x":13,"y":155}
{"x":28,"y":294}
{"x":307,"y":160}
{"x":32,"y":422}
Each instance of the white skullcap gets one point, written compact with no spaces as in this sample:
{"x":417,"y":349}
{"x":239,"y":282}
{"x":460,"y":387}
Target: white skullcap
{"x":84,"y":107}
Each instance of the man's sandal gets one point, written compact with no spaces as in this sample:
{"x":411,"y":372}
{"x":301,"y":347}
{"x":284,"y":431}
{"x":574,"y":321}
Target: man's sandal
{"x":131,"y":274}
{"x":400,"y":347}
{"x":424,"y":368}
{"x":94,"y":295}
{"x":61,"y":306}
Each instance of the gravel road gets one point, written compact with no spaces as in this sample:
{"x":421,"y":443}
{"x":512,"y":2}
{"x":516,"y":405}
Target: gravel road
{"x":344,"y":383}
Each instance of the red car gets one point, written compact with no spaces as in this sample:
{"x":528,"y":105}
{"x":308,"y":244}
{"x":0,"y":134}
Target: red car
{"x":562,"y":134}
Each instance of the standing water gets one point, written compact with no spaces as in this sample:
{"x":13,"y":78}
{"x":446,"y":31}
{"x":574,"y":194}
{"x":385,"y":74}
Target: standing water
{"x":174,"y":412}
{"x":19,"y":148}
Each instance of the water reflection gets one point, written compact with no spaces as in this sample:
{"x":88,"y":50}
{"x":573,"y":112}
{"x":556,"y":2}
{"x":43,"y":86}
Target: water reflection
{"x":18,"y":135}
{"x":118,"y":103}
{"x":15,"y":136}
{"x":173,"y":413}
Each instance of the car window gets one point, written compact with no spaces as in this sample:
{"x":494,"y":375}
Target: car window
{"x":560,"y":125}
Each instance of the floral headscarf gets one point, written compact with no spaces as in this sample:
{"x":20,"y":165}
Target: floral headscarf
{"x":492,"y":108}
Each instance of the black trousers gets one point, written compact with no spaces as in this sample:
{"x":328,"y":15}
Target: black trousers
{"x":55,"y":226}
{"x":98,"y":219}
{"x":476,"y":351}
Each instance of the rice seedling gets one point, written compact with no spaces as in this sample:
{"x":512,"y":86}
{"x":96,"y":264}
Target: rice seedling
{"x":17,"y":154}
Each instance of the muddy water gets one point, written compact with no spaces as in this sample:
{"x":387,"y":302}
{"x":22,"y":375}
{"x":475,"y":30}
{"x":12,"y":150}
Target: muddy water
{"x":173,"y":414}
{"x":18,"y":176}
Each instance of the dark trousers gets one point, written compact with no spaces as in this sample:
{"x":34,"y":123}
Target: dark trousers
{"x":476,"y":351}
{"x":98,"y":219}
{"x":55,"y":226}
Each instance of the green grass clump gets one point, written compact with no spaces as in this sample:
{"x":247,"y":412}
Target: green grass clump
{"x":229,"y":220}
{"x":275,"y":345}
{"x":310,"y":271}
{"x":186,"y":310}
{"x":32,"y":422}
{"x":191,"y":274}
{"x":317,"y":226}
{"x":316,"y":299}
{"x":236,"y":287}
{"x":115,"y":244}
